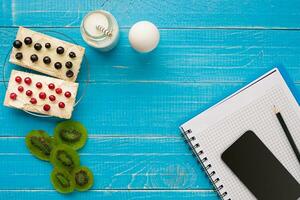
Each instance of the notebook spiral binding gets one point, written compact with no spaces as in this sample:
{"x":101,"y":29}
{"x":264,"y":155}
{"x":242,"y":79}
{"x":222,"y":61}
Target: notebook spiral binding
{"x":203,"y":160}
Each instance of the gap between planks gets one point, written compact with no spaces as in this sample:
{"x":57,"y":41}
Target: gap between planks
{"x":96,"y":136}
{"x":114,"y":190}
{"x":164,"y":82}
{"x":182,"y":28}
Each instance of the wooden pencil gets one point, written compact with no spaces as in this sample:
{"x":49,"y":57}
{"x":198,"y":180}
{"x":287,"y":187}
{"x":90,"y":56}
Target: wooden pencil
{"x":287,"y":133}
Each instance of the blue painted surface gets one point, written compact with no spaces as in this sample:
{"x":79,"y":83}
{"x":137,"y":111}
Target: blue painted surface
{"x":135,"y":103}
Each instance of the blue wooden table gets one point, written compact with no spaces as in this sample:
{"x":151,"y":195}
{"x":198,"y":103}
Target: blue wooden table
{"x":135,"y":103}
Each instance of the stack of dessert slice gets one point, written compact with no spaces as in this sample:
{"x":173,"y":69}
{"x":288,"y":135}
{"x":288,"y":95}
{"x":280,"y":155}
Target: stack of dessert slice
{"x":39,"y":93}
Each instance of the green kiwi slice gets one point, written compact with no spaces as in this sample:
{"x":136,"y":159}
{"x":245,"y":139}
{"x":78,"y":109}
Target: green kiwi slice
{"x":40,"y":144}
{"x":63,"y":156}
{"x":71,"y":133}
{"x":83,"y":178}
{"x":62,"y":180}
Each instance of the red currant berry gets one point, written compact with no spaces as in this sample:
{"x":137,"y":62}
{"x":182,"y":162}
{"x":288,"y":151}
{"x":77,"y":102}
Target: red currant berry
{"x":51,"y":86}
{"x":58,"y":90}
{"x":20,"y":89}
{"x":52,"y":98}
{"x":42,"y":95}
{"x":33,"y":101}
{"x":61,"y":104}
{"x":13,"y":96}
{"x":18,"y":79}
{"x":27,"y":80}
{"x":29,"y":93}
{"x":39,"y":85}
{"x":46,"y":107}
{"x":68,"y":94}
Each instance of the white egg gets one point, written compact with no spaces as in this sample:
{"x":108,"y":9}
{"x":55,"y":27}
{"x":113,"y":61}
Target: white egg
{"x":144,"y":36}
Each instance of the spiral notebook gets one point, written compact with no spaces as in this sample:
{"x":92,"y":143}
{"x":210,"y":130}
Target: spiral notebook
{"x":210,"y":133}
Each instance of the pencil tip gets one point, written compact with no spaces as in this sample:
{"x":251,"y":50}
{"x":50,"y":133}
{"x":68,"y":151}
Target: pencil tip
{"x":275,"y":109}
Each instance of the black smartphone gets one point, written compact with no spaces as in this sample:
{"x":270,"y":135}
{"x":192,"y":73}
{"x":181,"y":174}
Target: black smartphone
{"x":259,"y":170}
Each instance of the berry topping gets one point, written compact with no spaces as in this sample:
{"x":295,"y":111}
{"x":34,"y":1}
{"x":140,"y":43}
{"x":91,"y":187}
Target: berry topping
{"x":58,"y":90}
{"x":61,"y":104}
{"x":34,"y":58}
{"x":57,"y":65}
{"x":72,"y":54}
{"x":37,"y":46}
{"x":47,"y":60}
{"x":39,"y":85}
{"x":52,"y":98}
{"x":27,"y":80}
{"x":18,"y":79}
{"x":19,"y":56}
{"x":29,"y":93}
{"x":69,"y":64}
{"x":33,"y":100}
{"x":42,"y":95}
{"x":68,"y":94}
{"x":48,"y":45}
{"x":60,"y":50}
{"x":69,"y":73}
{"x":17,"y":44}
{"x":28,"y":40}
{"x":51,"y":86}
{"x":13,"y":96}
{"x":46,"y":107}
{"x":20,"y":89}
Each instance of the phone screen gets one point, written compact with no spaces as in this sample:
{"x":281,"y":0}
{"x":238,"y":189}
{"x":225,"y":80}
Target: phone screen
{"x":259,"y":170}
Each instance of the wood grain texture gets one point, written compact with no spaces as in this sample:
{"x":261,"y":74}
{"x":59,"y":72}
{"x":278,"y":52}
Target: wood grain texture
{"x":191,"y":70}
{"x":135,"y":103}
{"x":278,"y":14}
{"x":109,"y":194}
{"x":206,"y":56}
{"x":153,"y":163}
{"x":128,"y":109}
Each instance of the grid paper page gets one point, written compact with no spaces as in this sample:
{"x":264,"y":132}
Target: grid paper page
{"x":259,"y":117}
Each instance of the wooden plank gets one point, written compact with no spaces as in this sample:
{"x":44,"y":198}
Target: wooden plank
{"x":236,"y":56}
{"x":111,"y":172}
{"x":109,"y":195}
{"x":117,"y":163}
{"x":279,"y":14}
{"x":123,"y":109}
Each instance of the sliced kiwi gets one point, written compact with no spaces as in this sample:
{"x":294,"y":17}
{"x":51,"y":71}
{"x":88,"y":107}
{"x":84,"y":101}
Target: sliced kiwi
{"x":40,"y":144}
{"x":63,"y":156}
{"x":83,"y":178}
{"x":71,"y":133}
{"x":62,"y":180}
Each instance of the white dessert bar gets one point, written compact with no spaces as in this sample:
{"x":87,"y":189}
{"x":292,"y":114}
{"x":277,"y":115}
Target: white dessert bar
{"x":47,"y":54}
{"x":41,"y":94}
